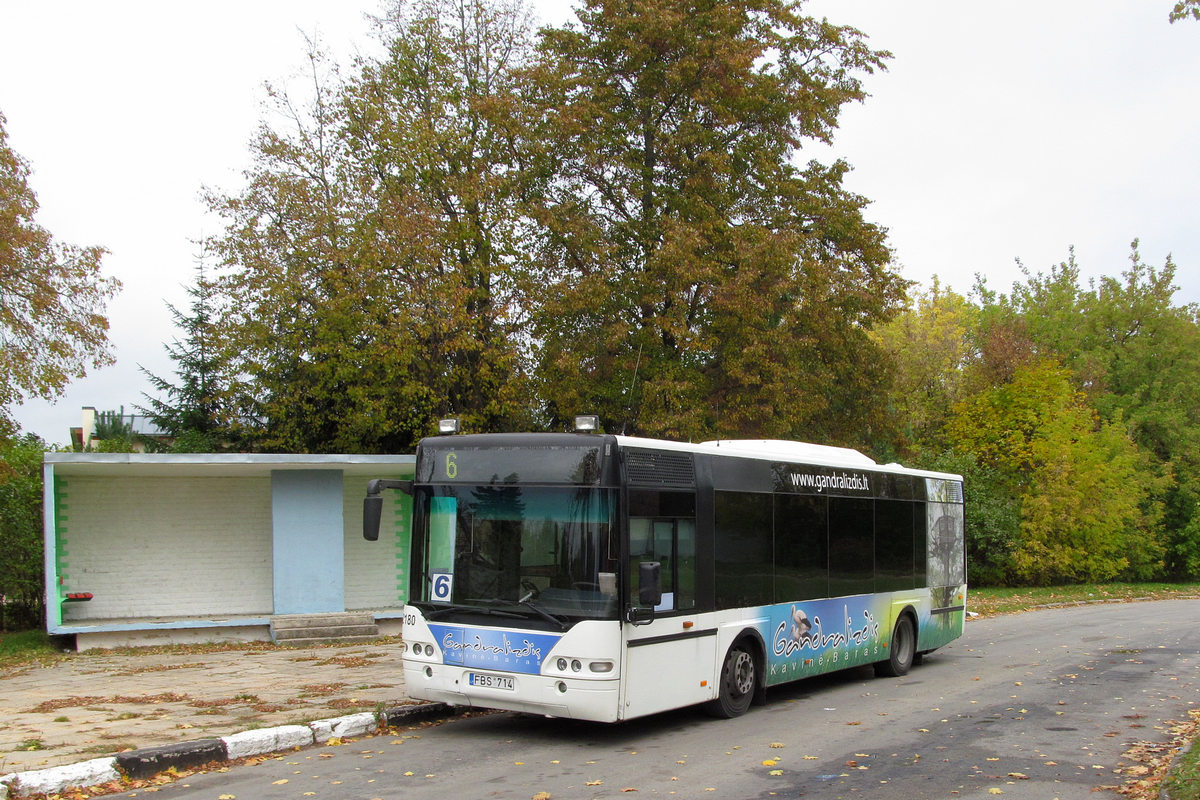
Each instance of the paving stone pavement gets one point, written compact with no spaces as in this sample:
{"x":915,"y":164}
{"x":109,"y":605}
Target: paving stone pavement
{"x":98,"y":703}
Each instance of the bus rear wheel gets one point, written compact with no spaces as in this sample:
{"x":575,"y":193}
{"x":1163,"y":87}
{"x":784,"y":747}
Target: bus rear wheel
{"x":901,"y":651}
{"x":739,"y":679}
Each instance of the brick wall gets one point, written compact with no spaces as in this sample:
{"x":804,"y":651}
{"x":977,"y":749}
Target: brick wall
{"x":165,"y":547}
{"x":376,"y":572}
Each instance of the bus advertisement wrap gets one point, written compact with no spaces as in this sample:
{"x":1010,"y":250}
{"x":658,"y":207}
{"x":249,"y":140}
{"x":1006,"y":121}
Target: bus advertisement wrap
{"x":816,"y":636}
{"x":511,"y":651}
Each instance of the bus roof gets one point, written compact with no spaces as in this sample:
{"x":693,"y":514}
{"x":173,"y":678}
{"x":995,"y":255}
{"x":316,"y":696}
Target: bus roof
{"x":783,"y":450}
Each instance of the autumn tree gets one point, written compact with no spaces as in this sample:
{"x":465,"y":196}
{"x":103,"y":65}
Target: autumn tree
{"x":430,"y":127}
{"x":1147,"y":349}
{"x":1087,"y":513}
{"x":1184,"y":9}
{"x":1135,"y":356}
{"x":1085,"y":489}
{"x":52,"y":298}
{"x":365,"y":281}
{"x":697,"y":281}
{"x":928,"y":347}
{"x":281,"y":249}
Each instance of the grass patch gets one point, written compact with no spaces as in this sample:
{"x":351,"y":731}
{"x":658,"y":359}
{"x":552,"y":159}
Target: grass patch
{"x":27,"y":646}
{"x":1183,"y":783}
{"x":989,"y":601}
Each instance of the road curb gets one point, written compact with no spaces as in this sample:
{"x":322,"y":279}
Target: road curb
{"x":149,"y":761}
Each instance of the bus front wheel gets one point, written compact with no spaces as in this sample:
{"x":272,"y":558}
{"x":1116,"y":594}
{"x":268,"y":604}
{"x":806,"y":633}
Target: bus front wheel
{"x":901,"y":651}
{"x":739,"y":679}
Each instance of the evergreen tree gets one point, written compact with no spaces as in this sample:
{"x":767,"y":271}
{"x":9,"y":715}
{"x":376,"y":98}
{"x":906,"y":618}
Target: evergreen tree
{"x":189,"y":410}
{"x":112,"y":433}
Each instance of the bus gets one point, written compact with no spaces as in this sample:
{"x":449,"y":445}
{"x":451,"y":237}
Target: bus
{"x":602,"y":577}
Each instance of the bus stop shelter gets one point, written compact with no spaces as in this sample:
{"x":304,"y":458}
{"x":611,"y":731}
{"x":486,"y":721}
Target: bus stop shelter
{"x":147,"y":549}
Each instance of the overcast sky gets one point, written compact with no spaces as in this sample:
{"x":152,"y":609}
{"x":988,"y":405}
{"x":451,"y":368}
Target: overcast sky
{"x":998,"y":132}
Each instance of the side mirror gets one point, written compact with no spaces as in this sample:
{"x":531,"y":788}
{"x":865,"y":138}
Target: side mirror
{"x":372,"y":512}
{"x":373,"y":504}
{"x":649,"y":583}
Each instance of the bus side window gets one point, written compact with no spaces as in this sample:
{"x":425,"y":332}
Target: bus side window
{"x":669,"y":540}
{"x":641,"y":546}
{"x":655,"y":540}
{"x":647,"y":542}
{"x":685,"y":563}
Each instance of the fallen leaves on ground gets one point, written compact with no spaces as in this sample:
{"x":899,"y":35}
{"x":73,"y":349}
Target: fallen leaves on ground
{"x":1154,"y":758}
{"x":90,"y":700}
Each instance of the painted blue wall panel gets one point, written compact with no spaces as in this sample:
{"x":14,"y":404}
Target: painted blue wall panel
{"x":308,"y":555}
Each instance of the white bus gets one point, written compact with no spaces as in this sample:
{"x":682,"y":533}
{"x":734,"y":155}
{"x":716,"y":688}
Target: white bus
{"x":604,"y":577}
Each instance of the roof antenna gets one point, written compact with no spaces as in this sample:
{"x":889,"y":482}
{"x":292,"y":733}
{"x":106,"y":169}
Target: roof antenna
{"x":629,"y":406}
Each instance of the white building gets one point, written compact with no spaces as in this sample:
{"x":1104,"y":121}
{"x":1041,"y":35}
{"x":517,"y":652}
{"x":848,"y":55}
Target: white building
{"x":154,"y":548}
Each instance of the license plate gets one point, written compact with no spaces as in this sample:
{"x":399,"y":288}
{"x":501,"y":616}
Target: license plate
{"x":491,"y":681}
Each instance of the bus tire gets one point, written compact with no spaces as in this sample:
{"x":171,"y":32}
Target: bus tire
{"x":738,"y":682}
{"x":901,"y":651}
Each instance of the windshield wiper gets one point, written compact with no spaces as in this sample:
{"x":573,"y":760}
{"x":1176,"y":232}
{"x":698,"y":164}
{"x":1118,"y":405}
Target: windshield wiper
{"x":541,"y":612}
{"x":561,"y":623}
{"x":442,"y":611}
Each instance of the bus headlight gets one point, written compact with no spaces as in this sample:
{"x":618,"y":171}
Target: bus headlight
{"x":429,"y":650}
{"x":576,"y":665}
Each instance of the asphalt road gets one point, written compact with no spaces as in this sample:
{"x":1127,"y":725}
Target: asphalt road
{"x":1037,"y":705}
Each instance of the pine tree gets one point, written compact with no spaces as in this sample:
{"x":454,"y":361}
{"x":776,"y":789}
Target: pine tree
{"x":190,"y":413}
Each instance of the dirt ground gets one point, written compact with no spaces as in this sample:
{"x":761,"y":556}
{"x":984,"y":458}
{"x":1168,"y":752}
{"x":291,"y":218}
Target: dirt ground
{"x":97,"y":703}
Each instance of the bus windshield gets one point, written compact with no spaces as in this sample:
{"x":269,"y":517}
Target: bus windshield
{"x":548,"y":553}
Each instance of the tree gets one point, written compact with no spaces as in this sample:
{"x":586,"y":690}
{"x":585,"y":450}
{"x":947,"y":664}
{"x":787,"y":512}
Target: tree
{"x":113,"y":433}
{"x":191,"y":414}
{"x":52,"y":297}
{"x":1133,"y":353}
{"x":1184,"y":9}
{"x":365,"y":281}
{"x":1085,"y":489}
{"x":432,"y":125}
{"x":928,"y":347}
{"x":1150,"y":350}
{"x":1086,"y":514}
{"x":697,"y":282}
{"x":22,"y":567}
